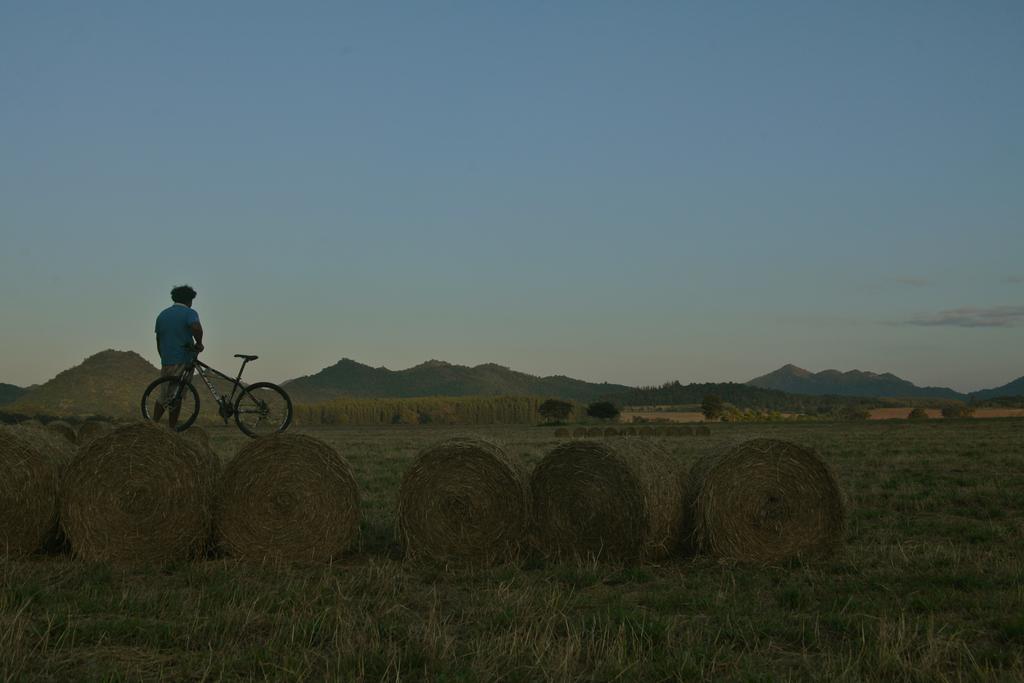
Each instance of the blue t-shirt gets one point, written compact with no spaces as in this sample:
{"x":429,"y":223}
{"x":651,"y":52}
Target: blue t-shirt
{"x":173,"y":333}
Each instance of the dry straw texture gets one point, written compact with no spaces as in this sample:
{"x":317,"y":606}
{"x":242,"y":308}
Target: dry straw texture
{"x":65,"y":430}
{"x":762,"y":501}
{"x":199,"y":434}
{"x":616,"y":502}
{"x":138,"y":494}
{"x":464,"y":499}
{"x":30,"y":464}
{"x":287,"y":497}
{"x":90,"y":429}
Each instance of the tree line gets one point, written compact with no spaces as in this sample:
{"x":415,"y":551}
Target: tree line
{"x":457,"y":410}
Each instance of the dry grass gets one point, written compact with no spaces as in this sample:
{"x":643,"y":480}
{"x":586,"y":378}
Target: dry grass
{"x":287,"y":497}
{"x":598,"y":500}
{"x":90,"y":429}
{"x":928,"y":587}
{"x":65,"y":430}
{"x":464,"y":499}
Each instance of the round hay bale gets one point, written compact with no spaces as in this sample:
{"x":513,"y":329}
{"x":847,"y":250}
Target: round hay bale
{"x":628,"y":431}
{"x":684,"y":430}
{"x":762,"y":501}
{"x":34,"y":423}
{"x":579,"y":432}
{"x":464,"y":499}
{"x":659,"y":431}
{"x":561,"y":432}
{"x":90,"y":429}
{"x":62,"y":428}
{"x":611,"y":431}
{"x":644,"y":432}
{"x":29,"y":488}
{"x":594,"y":431}
{"x":702,"y":430}
{"x":139,"y":494}
{"x":598,"y":500}
{"x":287,"y":497}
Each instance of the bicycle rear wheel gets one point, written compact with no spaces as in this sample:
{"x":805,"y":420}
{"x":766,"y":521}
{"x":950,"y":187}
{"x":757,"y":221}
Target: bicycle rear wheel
{"x":263,"y":408}
{"x":171,"y":392}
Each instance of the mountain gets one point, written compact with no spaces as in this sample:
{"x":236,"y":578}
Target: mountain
{"x":438,"y":378}
{"x":107,"y":383}
{"x":10,"y":393}
{"x":794,"y":380}
{"x":1014,"y":388}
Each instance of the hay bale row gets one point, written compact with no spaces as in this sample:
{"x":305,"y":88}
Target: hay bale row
{"x":142,"y":494}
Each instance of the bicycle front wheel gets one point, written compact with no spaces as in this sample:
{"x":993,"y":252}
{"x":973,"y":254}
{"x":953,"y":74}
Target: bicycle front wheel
{"x":263,"y":408}
{"x":170,"y":393}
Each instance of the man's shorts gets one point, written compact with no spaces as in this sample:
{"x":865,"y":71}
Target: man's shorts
{"x":168,"y":388}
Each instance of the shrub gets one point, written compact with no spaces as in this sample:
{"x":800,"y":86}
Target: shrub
{"x":603,"y":410}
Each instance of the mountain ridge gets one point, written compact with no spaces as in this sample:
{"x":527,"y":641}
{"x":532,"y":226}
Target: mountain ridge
{"x":796,"y":380}
{"x":349,"y":378}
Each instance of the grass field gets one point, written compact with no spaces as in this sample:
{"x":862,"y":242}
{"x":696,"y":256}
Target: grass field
{"x":929,"y":587}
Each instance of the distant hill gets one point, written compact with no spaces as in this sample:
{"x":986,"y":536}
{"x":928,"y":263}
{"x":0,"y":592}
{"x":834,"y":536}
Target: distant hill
{"x":108,"y":383}
{"x":794,"y":380}
{"x":10,"y":393}
{"x":438,"y":378}
{"x":1014,"y":388}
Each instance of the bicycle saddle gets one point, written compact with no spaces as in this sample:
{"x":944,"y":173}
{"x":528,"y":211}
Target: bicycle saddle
{"x":242,"y":355}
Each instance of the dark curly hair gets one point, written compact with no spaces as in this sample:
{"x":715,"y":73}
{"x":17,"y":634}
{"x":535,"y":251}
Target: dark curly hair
{"x":183,"y":294}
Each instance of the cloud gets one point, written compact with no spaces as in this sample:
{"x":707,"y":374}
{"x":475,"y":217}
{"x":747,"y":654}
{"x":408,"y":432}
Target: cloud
{"x":912,"y":281}
{"x":1015,"y":280}
{"x":995,"y":316}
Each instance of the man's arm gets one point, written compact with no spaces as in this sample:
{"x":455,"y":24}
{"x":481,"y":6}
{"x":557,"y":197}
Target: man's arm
{"x":197,"y":334}
{"x":158,"y":345}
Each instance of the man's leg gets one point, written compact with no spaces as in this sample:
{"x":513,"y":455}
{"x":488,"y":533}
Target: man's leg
{"x":172,"y":415}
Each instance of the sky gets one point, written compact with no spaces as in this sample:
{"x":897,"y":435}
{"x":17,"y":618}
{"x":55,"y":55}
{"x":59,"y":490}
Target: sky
{"x":623,"y":192}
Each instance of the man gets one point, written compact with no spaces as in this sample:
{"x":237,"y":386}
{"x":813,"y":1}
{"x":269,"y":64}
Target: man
{"x":176,"y":328}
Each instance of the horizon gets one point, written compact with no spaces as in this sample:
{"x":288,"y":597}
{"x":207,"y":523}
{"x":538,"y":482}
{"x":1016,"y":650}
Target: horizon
{"x":631,"y":195}
{"x":283,"y":380}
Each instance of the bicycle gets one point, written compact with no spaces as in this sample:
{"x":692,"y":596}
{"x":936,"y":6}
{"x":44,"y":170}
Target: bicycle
{"x":261,"y":408}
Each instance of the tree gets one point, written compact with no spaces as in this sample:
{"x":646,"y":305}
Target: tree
{"x":917,"y":414}
{"x":554,"y":410}
{"x":712,"y":407}
{"x":603,"y":410}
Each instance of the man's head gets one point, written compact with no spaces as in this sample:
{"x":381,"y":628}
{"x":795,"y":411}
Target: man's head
{"x":183,"y":294}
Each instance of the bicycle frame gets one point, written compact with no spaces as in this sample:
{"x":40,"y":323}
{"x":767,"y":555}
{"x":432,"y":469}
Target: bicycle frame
{"x":202,"y":368}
